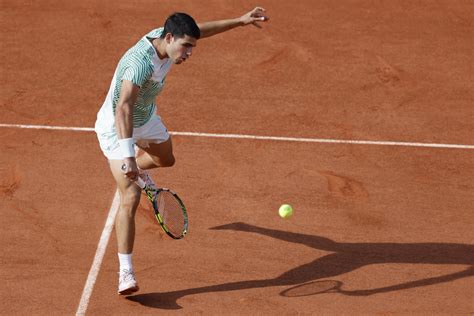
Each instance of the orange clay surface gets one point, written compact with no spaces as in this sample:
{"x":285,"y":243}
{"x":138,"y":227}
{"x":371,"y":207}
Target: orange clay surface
{"x":390,"y":225}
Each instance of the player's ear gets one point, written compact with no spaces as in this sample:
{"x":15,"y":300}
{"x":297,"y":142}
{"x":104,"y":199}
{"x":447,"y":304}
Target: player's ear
{"x":168,"y":38}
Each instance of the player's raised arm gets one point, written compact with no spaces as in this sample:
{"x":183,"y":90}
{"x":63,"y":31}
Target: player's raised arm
{"x":253,"y":17}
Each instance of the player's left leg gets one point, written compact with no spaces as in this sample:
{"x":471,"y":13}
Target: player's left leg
{"x":156,"y":155}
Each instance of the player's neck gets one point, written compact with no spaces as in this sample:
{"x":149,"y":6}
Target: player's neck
{"x":160,"y":47}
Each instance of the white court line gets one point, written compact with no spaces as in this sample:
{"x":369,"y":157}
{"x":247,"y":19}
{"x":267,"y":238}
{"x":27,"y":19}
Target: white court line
{"x":99,"y":256}
{"x":271,"y":138}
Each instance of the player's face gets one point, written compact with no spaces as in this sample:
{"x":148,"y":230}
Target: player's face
{"x":180,"y":49}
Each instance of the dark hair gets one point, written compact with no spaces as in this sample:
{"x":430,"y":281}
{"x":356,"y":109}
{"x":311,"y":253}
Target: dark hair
{"x":180,"y":24}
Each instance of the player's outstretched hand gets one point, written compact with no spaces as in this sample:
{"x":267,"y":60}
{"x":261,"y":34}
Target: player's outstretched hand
{"x":254,"y":17}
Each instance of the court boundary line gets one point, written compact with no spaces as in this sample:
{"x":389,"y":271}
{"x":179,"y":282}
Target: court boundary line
{"x":98,"y":257}
{"x":271,"y":138}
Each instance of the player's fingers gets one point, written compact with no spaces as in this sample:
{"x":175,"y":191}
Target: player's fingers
{"x":257,"y":12}
{"x":259,"y":17}
{"x":132,"y":176}
{"x":129,"y":172}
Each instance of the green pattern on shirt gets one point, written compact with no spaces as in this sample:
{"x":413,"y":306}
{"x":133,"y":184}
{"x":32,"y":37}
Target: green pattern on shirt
{"x":136,"y":66}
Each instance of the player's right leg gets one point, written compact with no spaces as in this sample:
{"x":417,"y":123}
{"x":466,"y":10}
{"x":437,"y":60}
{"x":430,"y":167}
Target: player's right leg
{"x":125,"y":226}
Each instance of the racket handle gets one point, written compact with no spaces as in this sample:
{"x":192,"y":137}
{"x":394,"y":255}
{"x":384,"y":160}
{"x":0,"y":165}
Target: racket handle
{"x":140,"y":182}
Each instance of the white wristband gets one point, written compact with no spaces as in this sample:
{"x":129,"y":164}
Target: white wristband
{"x":127,"y":147}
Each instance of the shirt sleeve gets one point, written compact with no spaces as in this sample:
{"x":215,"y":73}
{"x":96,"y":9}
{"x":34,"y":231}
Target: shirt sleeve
{"x":138,"y":72}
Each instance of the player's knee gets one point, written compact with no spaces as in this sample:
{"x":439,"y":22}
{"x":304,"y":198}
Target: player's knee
{"x":130,"y":199}
{"x":165,"y":161}
{"x":169,"y":162}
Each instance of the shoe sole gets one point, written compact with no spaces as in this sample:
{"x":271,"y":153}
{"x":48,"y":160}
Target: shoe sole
{"x":129,"y":291}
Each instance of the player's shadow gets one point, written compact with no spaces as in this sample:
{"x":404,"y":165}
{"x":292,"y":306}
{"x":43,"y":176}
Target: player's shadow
{"x":345,"y":257}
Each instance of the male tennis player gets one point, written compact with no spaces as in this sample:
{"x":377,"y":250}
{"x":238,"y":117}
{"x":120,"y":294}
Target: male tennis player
{"x":127,"y":117}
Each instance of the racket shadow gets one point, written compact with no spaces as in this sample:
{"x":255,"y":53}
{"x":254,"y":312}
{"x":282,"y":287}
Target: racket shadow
{"x":345,"y":257}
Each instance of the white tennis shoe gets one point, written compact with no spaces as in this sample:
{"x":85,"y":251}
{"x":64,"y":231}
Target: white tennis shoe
{"x":127,"y":283}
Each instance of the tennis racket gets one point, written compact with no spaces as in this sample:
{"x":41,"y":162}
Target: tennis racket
{"x":169,"y":209}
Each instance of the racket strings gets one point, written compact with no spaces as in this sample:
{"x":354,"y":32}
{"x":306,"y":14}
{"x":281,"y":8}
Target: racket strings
{"x":171,"y":212}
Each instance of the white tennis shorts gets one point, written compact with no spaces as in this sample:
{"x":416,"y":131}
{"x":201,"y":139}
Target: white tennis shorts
{"x":154,"y":131}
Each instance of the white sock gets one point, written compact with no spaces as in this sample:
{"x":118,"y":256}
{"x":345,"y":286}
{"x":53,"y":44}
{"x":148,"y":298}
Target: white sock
{"x":125,"y":260}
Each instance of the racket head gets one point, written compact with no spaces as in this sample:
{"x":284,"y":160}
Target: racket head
{"x":170,"y":212}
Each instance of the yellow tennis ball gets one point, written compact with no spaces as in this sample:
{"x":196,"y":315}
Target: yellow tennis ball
{"x":285,"y":211}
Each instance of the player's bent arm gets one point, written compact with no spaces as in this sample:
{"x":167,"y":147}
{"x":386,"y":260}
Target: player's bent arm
{"x":215,"y":27}
{"x":124,"y":109}
{"x":124,"y":126}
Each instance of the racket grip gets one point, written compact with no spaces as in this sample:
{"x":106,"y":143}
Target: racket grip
{"x":140,"y":182}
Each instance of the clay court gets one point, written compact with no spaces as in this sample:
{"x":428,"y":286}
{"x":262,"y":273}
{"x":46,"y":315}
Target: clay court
{"x":365,"y":109}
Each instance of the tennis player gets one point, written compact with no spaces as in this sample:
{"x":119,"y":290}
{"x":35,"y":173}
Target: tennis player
{"x":127,"y":122}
